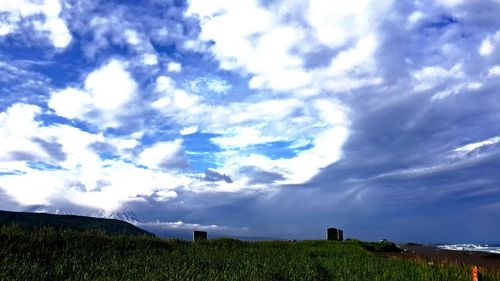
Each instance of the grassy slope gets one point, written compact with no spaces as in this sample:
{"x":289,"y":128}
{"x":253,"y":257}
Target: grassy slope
{"x":54,"y":255}
{"x":34,"y":220}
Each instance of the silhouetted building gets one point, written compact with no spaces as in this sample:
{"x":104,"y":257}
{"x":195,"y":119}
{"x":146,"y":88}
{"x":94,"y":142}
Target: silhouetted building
{"x":199,"y":235}
{"x":334,"y":234}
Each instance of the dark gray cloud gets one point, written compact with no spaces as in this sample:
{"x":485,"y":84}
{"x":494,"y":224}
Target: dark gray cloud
{"x":177,"y":162}
{"x":400,"y":171}
{"x":19,"y":155}
{"x":259,"y":176}
{"x":213,"y":176}
{"x":102,"y":147}
{"x":54,"y":149}
{"x":400,"y":175}
{"x":7,"y":203}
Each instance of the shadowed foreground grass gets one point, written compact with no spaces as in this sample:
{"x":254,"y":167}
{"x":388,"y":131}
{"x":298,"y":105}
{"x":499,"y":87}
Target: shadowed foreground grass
{"x":47,"y":254}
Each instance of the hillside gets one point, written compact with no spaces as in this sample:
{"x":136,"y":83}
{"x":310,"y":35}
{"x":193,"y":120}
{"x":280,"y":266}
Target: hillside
{"x":47,"y":254}
{"x":33,"y":221}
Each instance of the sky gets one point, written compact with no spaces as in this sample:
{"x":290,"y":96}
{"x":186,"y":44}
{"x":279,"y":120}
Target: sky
{"x":257,"y":118}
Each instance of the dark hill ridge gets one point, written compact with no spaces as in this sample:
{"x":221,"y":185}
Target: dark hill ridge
{"x":80,"y":223}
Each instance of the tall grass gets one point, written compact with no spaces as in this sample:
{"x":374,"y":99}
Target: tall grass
{"x":47,"y":254}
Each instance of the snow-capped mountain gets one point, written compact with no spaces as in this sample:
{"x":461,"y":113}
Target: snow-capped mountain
{"x":127,"y":216}
{"x":55,"y":210}
{"x":124,"y":216}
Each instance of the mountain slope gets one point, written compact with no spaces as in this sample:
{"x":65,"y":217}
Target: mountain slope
{"x":127,"y":216}
{"x":81,"y":223}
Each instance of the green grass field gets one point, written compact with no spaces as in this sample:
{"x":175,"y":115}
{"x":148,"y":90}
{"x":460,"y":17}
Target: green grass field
{"x":48,"y":254}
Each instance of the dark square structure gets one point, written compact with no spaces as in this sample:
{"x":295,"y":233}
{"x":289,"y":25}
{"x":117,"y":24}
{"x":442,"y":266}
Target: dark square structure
{"x":199,"y":235}
{"x":334,"y":234}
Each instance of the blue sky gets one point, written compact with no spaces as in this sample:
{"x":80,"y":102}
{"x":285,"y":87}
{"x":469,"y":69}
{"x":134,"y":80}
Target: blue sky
{"x":257,"y":118}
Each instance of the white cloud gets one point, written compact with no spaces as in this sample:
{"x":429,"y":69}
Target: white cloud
{"x":261,"y":47}
{"x":163,"y":156}
{"x":323,"y":121}
{"x":111,"y":86}
{"x":415,"y":17}
{"x":358,"y":56}
{"x":273,"y":49}
{"x":172,"y":98}
{"x":494,"y":71}
{"x":351,"y":68}
{"x":75,"y":143}
{"x":189,"y":130}
{"x":124,"y":182}
{"x":107,"y":186}
{"x":326,"y":148}
{"x":174,"y":67}
{"x":17,"y":130}
{"x":71,"y":103}
{"x":105,"y":90}
{"x":132,"y":37}
{"x":262,"y":122}
{"x":114,"y":28}
{"x":81,"y":176}
{"x":150,"y":59}
{"x":165,"y":195}
{"x":164,"y":84}
{"x":20,"y":10}
{"x":36,"y":187}
{"x":473,"y":146}
{"x":486,"y":47}
{"x":337,"y":23}
{"x":432,"y":76}
{"x":6,"y":28}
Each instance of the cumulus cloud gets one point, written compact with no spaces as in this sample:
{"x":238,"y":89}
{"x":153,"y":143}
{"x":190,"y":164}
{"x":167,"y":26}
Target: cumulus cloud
{"x":140,"y":30}
{"x":42,"y":165}
{"x":431,"y":76}
{"x":164,"y":155}
{"x":261,"y":47}
{"x":269,"y":50}
{"x":17,"y":132}
{"x":150,"y":59}
{"x":174,"y":67}
{"x":105,"y":93}
{"x":19,"y":12}
{"x":323,"y":121}
{"x":189,"y":130}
